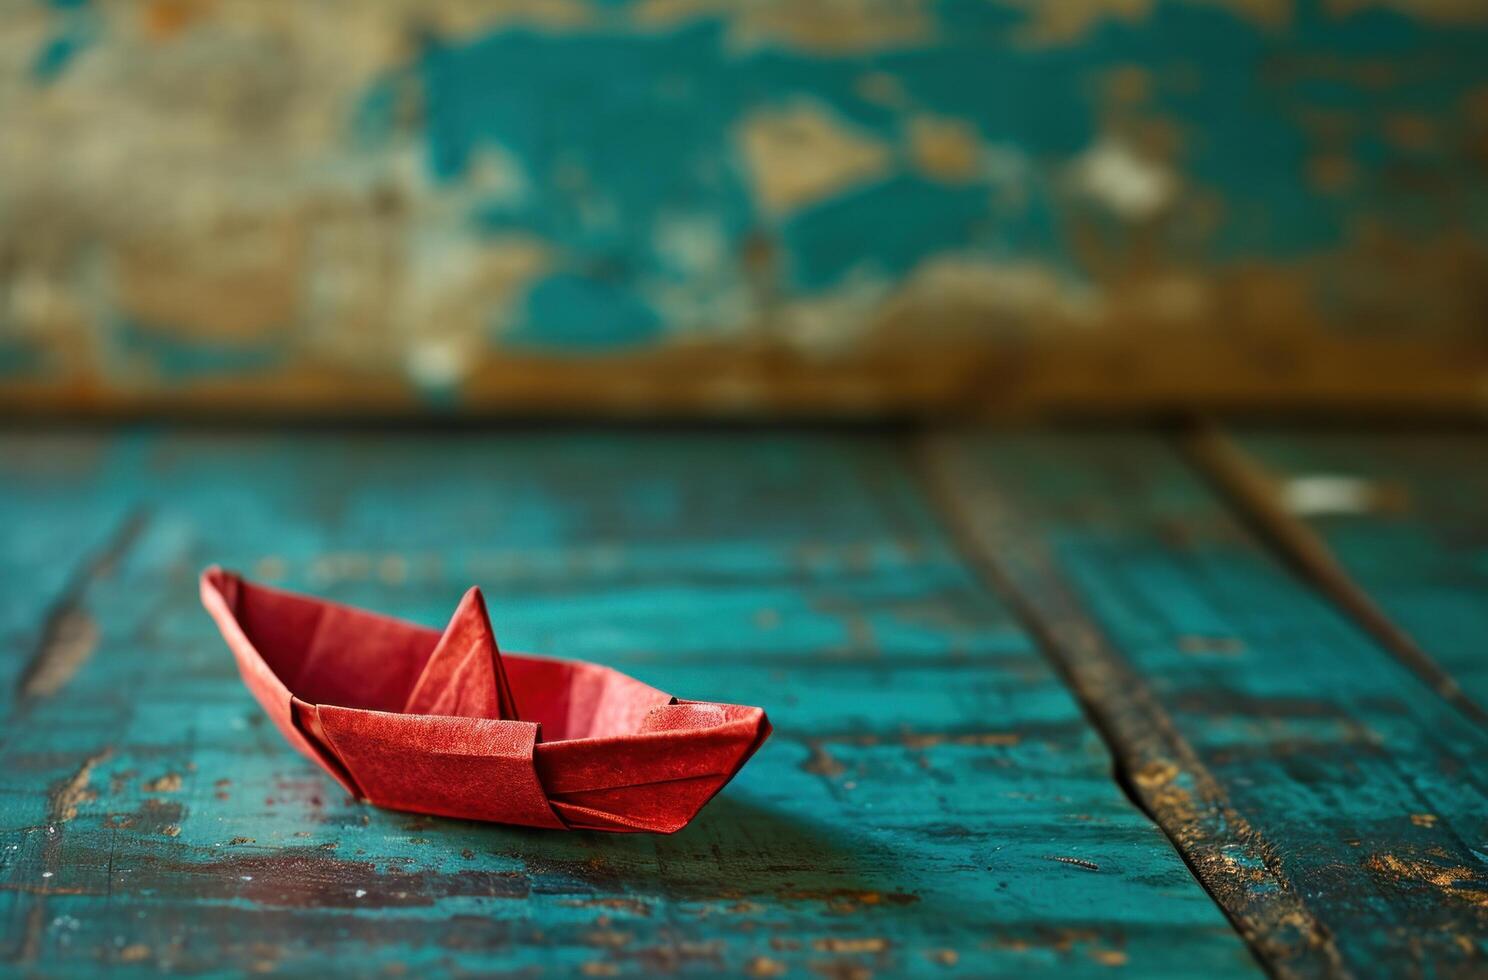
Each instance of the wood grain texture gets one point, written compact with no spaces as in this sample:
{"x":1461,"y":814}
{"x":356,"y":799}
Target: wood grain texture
{"x":1333,"y":802}
{"x":933,"y":801}
{"x":1405,"y":515}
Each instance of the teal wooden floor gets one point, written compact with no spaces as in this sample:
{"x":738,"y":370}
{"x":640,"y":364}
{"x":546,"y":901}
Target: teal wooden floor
{"x":1096,"y":702}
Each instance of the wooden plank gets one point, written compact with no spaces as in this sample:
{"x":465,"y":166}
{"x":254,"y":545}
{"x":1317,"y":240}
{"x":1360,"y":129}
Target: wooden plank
{"x":933,"y":798}
{"x":1332,"y":802}
{"x":1403,"y":514}
{"x":1055,"y":367}
{"x":61,"y":526}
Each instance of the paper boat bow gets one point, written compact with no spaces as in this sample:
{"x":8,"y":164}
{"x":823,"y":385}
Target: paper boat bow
{"x":408,"y":718}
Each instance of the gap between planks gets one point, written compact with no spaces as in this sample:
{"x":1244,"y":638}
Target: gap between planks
{"x":68,"y":634}
{"x":1255,"y":494}
{"x":1152,"y":761}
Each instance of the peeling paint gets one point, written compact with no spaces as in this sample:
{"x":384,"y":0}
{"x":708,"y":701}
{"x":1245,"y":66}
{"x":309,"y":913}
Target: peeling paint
{"x":801,"y":155}
{"x":751,"y":205}
{"x":945,"y":149}
{"x":843,"y":26}
{"x":74,"y":791}
{"x":1119,"y":178}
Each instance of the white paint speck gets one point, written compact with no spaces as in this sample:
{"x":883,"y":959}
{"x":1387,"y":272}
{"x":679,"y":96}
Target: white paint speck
{"x":246,"y":877}
{"x":1327,"y":494}
{"x":691,"y":244}
{"x":1131,"y":185}
{"x":46,"y":874}
{"x":438,"y":363}
{"x":360,"y":892}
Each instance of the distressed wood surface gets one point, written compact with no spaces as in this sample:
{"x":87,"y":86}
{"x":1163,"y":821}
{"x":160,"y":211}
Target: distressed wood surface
{"x":1405,"y":516}
{"x":1331,"y":800}
{"x":933,"y":801}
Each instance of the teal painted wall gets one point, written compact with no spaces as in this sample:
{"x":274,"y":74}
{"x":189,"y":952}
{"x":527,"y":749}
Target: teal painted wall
{"x":429,"y":203}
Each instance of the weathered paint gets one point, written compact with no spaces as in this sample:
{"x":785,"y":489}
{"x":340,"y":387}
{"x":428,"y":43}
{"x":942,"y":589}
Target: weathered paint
{"x":1343,"y":790}
{"x":933,"y":802}
{"x":666,"y":203}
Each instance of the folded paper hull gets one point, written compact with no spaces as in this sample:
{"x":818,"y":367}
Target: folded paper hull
{"x":527,"y":740}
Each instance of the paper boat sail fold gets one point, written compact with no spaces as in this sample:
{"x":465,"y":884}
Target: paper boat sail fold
{"x":464,"y":675}
{"x":407,"y":717}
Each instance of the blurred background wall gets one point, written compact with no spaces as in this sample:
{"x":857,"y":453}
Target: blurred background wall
{"x":810,"y":206}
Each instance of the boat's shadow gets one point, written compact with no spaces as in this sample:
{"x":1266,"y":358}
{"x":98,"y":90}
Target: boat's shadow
{"x":736,"y":850}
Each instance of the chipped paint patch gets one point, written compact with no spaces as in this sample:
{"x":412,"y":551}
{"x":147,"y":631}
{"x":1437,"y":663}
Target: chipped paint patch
{"x":168,"y":783}
{"x":970,"y":292}
{"x":1067,"y":21}
{"x":833,"y":322}
{"x":839,"y":27}
{"x":152,"y":816}
{"x":852,"y":945}
{"x":1458,"y":882}
{"x":805,"y":153}
{"x":945,"y":149}
{"x":820,"y":762}
{"x":1063,"y":22}
{"x":456,"y":293}
{"x":72,"y":792}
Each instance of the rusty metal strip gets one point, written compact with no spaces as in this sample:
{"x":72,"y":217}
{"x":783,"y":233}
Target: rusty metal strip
{"x":1256,"y":495}
{"x":1153,"y":761}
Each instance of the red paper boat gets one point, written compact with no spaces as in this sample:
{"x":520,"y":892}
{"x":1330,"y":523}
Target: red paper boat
{"x":408,"y":718}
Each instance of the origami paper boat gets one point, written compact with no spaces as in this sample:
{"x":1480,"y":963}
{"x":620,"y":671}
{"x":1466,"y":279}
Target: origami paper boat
{"x":408,"y":718}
